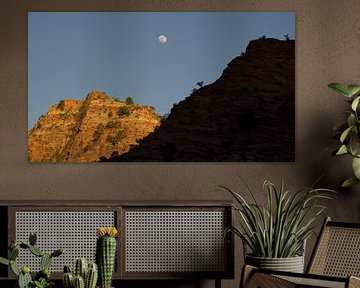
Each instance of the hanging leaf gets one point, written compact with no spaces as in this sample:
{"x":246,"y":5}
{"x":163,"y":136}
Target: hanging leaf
{"x":349,"y":182}
{"x":342,"y":150}
{"x":340,"y":88}
{"x":345,"y":134}
{"x":356,"y":167}
{"x":355,"y":103}
{"x":351,"y":120}
{"x":353,"y":89}
{"x":354,"y":145}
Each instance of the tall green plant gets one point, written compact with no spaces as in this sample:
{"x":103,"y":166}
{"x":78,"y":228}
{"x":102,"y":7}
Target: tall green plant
{"x":349,"y":131}
{"x":106,"y":254}
{"x":279,"y":229}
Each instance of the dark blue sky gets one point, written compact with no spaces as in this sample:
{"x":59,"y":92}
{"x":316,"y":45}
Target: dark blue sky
{"x":71,"y":54}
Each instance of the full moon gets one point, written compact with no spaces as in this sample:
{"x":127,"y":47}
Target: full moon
{"x":162,"y":39}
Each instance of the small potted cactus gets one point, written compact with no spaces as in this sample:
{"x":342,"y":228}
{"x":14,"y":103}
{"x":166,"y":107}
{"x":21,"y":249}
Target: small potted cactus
{"x":85,"y":275}
{"x":106,"y":254}
{"x":42,"y":278}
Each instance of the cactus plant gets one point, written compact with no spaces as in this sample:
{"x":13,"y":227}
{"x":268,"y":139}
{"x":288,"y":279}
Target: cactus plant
{"x":105,"y":254}
{"x":84,"y":274}
{"x":79,"y":282}
{"x":91,"y":276}
{"x":42,"y":278}
{"x":24,"y":280}
{"x":80,"y":268}
{"x":68,"y":280}
{"x":45,"y":261}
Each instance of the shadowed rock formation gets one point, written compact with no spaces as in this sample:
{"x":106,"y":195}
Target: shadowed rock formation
{"x":248,"y":114}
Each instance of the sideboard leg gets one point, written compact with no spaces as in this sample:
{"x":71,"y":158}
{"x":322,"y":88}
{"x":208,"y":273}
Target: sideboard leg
{"x":217,"y":283}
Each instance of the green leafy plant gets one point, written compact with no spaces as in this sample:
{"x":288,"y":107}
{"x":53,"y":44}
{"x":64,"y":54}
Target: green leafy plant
{"x":349,"y":132}
{"x":43,"y":283}
{"x":279,"y":229}
{"x":42,"y":278}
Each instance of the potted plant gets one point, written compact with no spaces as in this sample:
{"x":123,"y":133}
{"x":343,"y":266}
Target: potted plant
{"x":348,"y":132}
{"x":42,"y":278}
{"x":275,"y":233}
{"x":84,"y":274}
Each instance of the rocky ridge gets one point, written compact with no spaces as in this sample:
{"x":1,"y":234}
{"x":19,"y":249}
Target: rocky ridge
{"x":85,"y":130}
{"x":248,"y":114}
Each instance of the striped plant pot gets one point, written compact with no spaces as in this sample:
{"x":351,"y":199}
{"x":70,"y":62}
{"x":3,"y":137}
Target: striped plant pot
{"x":291,"y":264}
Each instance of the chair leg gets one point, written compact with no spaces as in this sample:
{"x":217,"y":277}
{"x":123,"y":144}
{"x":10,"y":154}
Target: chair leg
{"x":217,"y":283}
{"x":246,"y":273}
{"x":250,"y":278}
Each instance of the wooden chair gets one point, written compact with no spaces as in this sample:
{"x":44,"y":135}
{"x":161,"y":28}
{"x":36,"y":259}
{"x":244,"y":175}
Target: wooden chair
{"x":334,"y":263}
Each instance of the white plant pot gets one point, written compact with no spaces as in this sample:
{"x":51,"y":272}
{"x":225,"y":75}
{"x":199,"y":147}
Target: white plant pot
{"x":291,"y":264}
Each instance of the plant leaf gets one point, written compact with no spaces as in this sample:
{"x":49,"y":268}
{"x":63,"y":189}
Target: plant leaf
{"x":349,"y":182}
{"x":4,"y":261}
{"x":345,"y":134}
{"x":354,"y":145}
{"x":351,"y":121}
{"x":353,"y":89}
{"x":356,"y":167}
{"x":342,"y":150}
{"x":355,"y":103}
{"x":340,"y":88}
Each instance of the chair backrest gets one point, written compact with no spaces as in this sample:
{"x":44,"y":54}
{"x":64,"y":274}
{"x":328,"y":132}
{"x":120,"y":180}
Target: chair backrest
{"x":337,"y":251}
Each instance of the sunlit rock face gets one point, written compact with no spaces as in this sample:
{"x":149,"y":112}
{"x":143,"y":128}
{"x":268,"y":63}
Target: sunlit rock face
{"x":86,"y":130}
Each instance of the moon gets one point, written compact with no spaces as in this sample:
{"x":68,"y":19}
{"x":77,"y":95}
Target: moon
{"x":162,"y":39}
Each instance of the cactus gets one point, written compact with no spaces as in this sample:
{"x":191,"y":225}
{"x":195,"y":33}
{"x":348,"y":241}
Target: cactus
{"x":57,"y":252}
{"x":14,"y":268}
{"x":80,"y":268}
{"x":68,"y":280}
{"x":13,"y":253}
{"x":24,"y":245}
{"x":32,"y":238}
{"x":67,"y":269}
{"x":90,"y":272}
{"x":91,"y":276}
{"x":79,"y":282}
{"x":4,"y":261}
{"x":36,"y":251}
{"x":45,"y":261}
{"x":24,"y":278}
{"x":105,"y":254}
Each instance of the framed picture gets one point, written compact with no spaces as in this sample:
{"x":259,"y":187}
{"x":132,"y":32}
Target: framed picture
{"x":161,"y":86}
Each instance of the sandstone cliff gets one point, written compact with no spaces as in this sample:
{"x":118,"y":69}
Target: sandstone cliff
{"x":248,"y":114}
{"x":83,"y":131}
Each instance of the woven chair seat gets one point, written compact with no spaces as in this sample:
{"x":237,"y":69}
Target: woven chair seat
{"x":335,"y":262}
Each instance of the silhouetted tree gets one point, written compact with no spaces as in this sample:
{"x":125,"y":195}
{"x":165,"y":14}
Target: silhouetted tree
{"x":200,"y":84}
